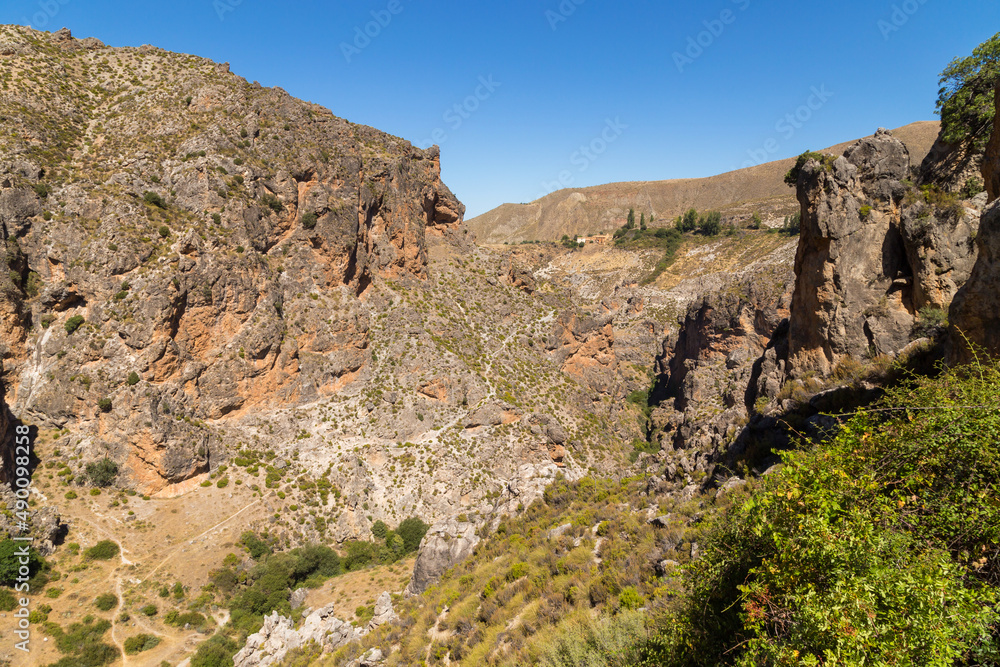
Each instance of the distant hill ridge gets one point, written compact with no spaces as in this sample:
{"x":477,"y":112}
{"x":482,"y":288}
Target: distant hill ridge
{"x":604,"y":207}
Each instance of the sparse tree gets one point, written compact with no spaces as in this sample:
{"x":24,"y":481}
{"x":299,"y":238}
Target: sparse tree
{"x":966,"y":99}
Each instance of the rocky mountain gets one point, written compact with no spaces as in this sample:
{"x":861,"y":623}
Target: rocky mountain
{"x":738,"y":194}
{"x":219,"y":296}
{"x":202,"y":270}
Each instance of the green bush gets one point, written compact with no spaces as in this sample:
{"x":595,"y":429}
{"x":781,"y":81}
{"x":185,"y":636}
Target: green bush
{"x":7,"y":601}
{"x":273,"y":203}
{"x":154,"y":199}
{"x":217,"y":651}
{"x":792,"y":177}
{"x":133,"y":379}
{"x":102,"y":473}
{"x":866,"y":212}
{"x":106,"y":601}
{"x":103,"y":550}
{"x":309,"y":221}
{"x":73,"y":323}
{"x":874,"y":548}
{"x":81,"y":643}
{"x":10,"y":565}
{"x":148,"y":610}
{"x":141,"y":643}
{"x":164,"y":231}
{"x":255,"y":546}
{"x":104,"y":404}
{"x":379,"y":529}
{"x":412,"y":530}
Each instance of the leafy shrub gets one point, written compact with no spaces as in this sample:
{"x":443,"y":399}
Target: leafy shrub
{"x":874,"y":548}
{"x":10,"y":565}
{"x":81,"y":643}
{"x":866,"y":212}
{"x":379,"y":529}
{"x":106,"y":601}
{"x":102,"y":473}
{"x":792,"y":177}
{"x":103,"y":550}
{"x":164,"y":231}
{"x":309,"y":221}
{"x":104,"y":404}
{"x":217,"y":651}
{"x":148,"y":610}
{"x":141,"y":643}
{"x":629,"y":598}
{"x":973,"y":186}
{"x":932,"y":322}
{"x":71,"y":495}
{"x":7,"y":601}
{"x":217,"y":218}
{"x":412,"y":530}
{"x":133,"y":379}
{"x":73,"y":323}
{"x":255,"y":546}
{"x":154,"y":199}
{"x":273,"y":203}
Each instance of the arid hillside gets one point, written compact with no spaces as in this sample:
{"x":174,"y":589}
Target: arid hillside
{"x":603,"y":208}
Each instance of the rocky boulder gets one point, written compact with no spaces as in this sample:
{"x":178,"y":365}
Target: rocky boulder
{"x":444,"y":545}
{"x":278,"y":636}
{"x":975,"y":313}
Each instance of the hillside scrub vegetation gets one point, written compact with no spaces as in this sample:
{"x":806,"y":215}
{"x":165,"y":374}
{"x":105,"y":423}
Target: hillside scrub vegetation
{"x":878,"y":546}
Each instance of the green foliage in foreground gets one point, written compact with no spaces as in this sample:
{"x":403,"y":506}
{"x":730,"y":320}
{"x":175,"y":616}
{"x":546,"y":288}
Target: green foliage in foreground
{"x":878,"y":548}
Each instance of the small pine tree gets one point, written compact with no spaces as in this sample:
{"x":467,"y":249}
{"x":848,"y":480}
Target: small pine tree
{"x":642,"y":222}
{"x":631,"y":219}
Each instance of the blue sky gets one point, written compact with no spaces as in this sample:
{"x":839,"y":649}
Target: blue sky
{"x":572,"y":92}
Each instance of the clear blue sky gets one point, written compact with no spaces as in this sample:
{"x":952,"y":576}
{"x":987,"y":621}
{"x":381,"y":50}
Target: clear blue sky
{"x":557,"y":83}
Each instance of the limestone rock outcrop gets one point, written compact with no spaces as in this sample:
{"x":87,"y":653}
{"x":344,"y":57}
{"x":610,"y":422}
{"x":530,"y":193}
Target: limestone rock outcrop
{"x":444,"y":545}
{"x":278,"y":636}
{"x":975,"y":313}
{"x":873,"y":252}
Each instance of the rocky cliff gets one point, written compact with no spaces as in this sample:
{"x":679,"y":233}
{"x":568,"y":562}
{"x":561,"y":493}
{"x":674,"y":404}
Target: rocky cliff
{"x":205,"y":272}
{"x":975,"y":312}
{"x":874,"y":251}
